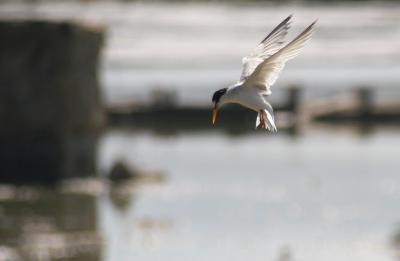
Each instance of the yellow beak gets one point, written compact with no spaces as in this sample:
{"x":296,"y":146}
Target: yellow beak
{"x":214,"y":114}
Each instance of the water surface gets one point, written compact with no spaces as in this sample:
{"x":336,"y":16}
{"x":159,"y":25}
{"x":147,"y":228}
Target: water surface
{"x":321,"y":196}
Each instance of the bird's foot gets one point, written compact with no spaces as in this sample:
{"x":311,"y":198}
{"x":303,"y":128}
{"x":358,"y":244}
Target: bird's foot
{"x":262,"y":121}
{"x":261,"y":125}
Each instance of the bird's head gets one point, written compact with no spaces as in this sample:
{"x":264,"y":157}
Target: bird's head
{"x":216,"y":100}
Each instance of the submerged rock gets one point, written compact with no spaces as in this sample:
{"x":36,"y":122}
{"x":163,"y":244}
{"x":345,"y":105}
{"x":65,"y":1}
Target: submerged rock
{"x":120,"y":172}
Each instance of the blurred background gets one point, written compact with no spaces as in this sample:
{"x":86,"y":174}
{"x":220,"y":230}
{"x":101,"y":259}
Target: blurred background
{"x":107,"y":150}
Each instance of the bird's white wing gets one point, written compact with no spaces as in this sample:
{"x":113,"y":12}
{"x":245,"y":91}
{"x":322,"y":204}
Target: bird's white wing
{"x":267,"y":47}
{"x":266,"y":73}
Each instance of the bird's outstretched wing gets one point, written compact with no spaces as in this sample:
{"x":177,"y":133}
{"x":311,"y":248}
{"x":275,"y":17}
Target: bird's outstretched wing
{"x":266,"y":73}
{"x":267,"y":47}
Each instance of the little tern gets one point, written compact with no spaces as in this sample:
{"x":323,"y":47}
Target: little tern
{"x":260,"y":71}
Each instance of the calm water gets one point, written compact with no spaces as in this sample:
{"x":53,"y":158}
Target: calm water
{"x":323,"y":195}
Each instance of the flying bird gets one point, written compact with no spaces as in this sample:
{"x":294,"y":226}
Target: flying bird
{"x":260,"y":71}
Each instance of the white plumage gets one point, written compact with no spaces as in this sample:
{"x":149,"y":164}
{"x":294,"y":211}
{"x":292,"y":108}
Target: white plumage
{"x":261,"y":68}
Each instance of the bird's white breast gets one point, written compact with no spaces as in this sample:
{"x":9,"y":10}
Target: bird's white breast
{"x":247,"y":97}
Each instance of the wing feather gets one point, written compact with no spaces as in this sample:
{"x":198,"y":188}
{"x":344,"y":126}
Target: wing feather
{"x":267,"y":47}
{"x":266,"y":73}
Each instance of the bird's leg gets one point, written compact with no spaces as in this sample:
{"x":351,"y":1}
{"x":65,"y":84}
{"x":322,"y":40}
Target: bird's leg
{"x":262,"y":120}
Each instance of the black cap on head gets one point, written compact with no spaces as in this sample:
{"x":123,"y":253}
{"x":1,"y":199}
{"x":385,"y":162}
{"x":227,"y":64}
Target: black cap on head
{"x":217,"y":95}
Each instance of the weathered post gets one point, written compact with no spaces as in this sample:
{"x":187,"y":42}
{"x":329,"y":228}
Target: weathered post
{"x":293,"y":102}
{"x":293,"y":106}
{"x":50,"y":104}
{"x":364,"y":95}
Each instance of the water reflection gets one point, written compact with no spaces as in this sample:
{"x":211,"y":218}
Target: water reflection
{"x":46,"y":224}
{"x":395,"y":243}
{"x":46,"y":157}
{"x":285,"y":254}
{"x":121,"y":197}
{"x":61,"y":223}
